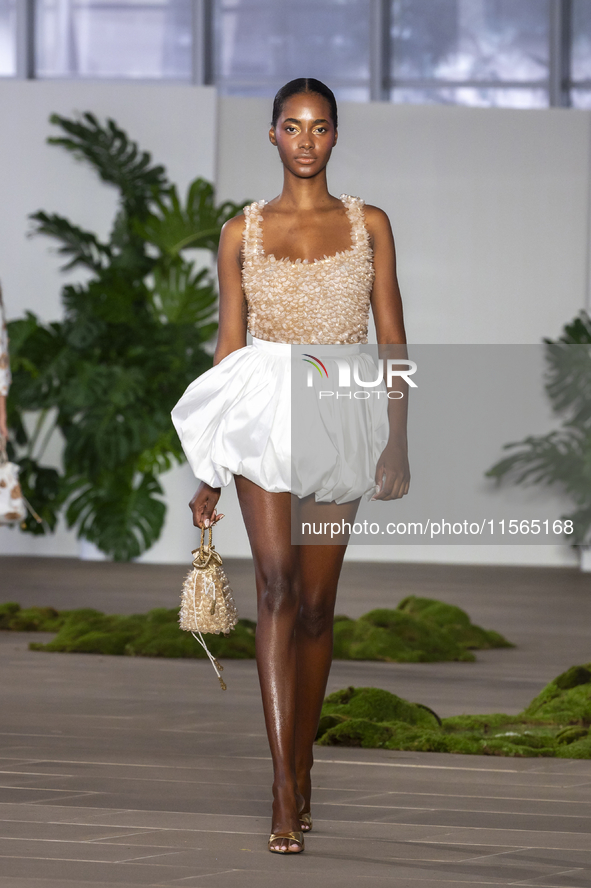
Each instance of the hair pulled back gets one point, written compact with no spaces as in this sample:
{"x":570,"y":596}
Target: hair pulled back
{"x":304,"y":85}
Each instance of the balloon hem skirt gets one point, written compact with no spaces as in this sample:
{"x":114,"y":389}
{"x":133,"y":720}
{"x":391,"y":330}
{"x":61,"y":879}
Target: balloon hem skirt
{"x":269,"y":413}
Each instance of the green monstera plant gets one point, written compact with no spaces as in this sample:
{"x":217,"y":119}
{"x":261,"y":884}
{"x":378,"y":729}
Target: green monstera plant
{"x":131,"y":339}
{"x":562,"y":457}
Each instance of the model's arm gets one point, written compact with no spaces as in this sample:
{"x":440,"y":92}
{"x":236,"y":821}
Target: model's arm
{"x":4,"y":370}
{"x":231,"y":336}
{"x":392,"y":471}
{"x":232,"y":325}
{"x":386,"y":302}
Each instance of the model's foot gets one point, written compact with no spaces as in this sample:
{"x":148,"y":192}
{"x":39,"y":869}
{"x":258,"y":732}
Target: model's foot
{"x":285,"y":820}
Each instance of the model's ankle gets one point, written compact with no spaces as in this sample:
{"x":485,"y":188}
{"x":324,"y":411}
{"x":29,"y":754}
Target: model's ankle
{"x":285,"y":783}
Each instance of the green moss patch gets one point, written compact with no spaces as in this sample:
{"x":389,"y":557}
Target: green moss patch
{"x":13,"y":618}
{"x":419,"y":630}
{"x":155,"y":634}
{"x":555,"y":724}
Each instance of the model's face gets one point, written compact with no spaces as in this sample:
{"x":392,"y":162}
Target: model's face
{"x":304,"y":134}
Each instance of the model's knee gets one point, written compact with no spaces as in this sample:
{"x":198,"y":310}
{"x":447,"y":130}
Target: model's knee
{"x":279,"y":595}
{"x":315,"y":619}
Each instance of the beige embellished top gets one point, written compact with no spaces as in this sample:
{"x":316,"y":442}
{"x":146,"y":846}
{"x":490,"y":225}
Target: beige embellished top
{"x":299,"y":302}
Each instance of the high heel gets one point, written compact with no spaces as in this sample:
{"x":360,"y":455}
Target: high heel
{"x":295,"y":837}
{"x":306,"y":821}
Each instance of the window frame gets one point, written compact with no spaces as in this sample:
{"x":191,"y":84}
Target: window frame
{"x":557,"y":85}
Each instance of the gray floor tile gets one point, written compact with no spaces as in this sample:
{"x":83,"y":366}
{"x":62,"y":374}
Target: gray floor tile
{"x":81,"y":871}
{"x":52,"y":813}
{"x":88,"y":852}
{"x":111,"y":759}
{"x":62,"y":832}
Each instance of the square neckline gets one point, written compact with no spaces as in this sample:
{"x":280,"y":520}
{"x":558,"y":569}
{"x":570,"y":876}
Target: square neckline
{"x":270,"y":257}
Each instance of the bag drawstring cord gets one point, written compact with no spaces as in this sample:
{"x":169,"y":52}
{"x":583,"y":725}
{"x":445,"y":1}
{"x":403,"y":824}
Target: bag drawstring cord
{"x":217,"y":667}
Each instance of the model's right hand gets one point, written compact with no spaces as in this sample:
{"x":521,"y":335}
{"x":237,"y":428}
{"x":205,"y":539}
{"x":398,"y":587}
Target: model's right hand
{"x":3,"y":426}
{"x":203,"y":505}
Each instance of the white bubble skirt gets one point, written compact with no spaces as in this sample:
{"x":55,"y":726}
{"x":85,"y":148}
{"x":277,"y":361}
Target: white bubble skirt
{"x":268,"y":413}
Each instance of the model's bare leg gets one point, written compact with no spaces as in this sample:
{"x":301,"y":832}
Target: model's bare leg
{"x":296,"y":592}
{"x":268,"y":519}
{"x":319,"y":571}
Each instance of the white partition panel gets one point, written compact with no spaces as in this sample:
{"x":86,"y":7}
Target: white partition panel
{"x":177,"y":124}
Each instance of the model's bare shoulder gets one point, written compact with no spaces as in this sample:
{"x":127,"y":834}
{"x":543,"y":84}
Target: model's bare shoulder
{"x":231,"y":238}
{"x":376,"y":218}
{"x":233,"y":228}
{"x":378,"y":226}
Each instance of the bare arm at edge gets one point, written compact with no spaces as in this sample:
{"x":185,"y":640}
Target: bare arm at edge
{"x":233,"y":315}
{"x":386,"y":301}
{"x":231,"y":336}
{"x":392,"y":471}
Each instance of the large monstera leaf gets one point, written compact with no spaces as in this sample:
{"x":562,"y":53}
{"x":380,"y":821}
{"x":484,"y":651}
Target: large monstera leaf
{"x":181,"y":295}
{"x":121,"y":514}
{"x":172,"y":227}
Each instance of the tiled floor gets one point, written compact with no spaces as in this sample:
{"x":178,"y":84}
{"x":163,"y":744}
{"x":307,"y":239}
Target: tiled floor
{"x":124,"y":771}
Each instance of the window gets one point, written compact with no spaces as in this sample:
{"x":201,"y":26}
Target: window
{"x":114,"y":38}
{"x":261,"y":44}
{"x":505,"y":53}
{"x":7,"y":38}
{"x":470,"y":52}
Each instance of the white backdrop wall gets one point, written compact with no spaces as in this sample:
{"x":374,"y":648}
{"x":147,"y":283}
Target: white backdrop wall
{"x":490,"y":210}
{"x":489,"y":207}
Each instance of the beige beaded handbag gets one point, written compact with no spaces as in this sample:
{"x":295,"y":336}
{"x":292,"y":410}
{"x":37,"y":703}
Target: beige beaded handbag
{"x":206,"y":600}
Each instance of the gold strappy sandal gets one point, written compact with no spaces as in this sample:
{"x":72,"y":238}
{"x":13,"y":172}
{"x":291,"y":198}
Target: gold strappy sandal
{"x":296,"y":837}
{"x":306,"y":821}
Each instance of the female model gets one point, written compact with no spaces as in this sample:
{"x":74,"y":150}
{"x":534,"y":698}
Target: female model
{"x":301,"y":268}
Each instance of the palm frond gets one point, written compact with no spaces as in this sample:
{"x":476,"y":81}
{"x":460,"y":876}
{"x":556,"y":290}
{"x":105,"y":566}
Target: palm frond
{"x":568,"y":381}
{"x":116,"y":158}
{"x":83,"y":247}
{"x":561,"y":457}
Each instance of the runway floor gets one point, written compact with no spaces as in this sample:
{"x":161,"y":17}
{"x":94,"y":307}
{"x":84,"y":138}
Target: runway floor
{"x":124,"y":771}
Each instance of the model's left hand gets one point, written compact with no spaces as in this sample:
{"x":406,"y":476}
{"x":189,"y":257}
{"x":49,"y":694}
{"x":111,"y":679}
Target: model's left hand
{"x":392,"y":472}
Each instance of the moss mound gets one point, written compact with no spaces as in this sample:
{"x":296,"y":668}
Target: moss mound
{"x":155,"y":634}
{"x":454,"y":622}
{"x":13,"y":618}
{"x":555,"y":724}
{"x":420,"y":630}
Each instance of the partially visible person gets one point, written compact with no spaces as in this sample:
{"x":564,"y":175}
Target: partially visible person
{"x":4,"y":370}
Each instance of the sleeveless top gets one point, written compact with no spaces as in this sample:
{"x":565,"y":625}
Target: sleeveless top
{"x":299,"y":302}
